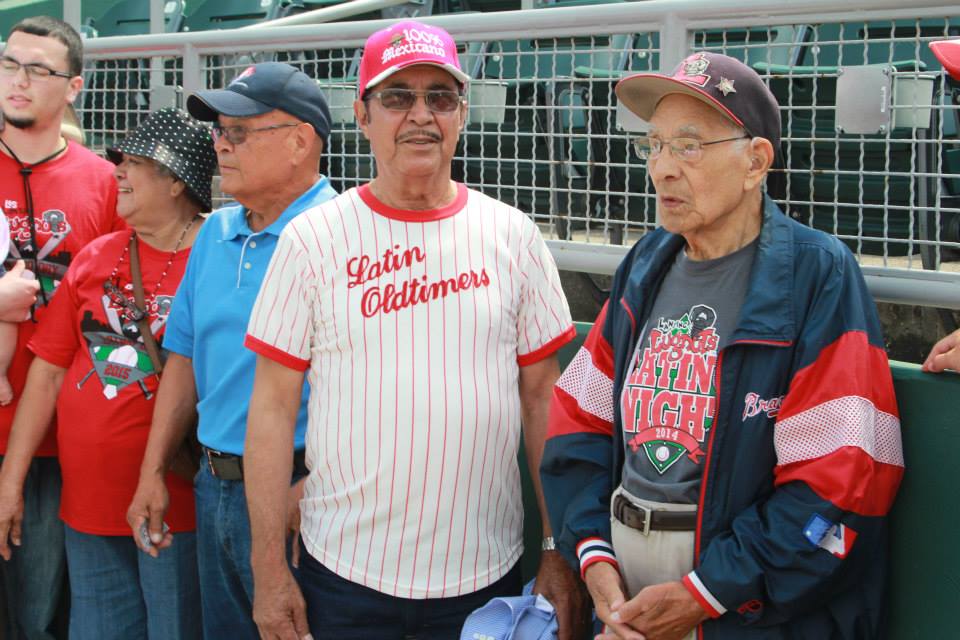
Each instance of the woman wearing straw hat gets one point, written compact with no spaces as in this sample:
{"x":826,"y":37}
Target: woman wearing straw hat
{"x":98,"y":364}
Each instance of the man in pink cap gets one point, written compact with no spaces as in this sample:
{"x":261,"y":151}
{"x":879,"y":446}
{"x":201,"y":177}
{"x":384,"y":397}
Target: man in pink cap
{"x":427,"y":317}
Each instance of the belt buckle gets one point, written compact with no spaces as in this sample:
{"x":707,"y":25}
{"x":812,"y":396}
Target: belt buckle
{"x":209,"y":454}
{"x":647,"y":517}
{"x":622,"y":505}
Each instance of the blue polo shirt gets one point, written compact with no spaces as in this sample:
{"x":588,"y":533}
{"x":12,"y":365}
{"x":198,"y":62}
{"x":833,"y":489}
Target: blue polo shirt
{"x":209,"y":316}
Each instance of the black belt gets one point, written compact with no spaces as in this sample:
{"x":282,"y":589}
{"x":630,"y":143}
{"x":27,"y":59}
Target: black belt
{"x":646,"y":520}
{"x":227,"y":466}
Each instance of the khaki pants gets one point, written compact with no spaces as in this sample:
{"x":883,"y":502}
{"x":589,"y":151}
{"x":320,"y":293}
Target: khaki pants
{"x":660,"y":556}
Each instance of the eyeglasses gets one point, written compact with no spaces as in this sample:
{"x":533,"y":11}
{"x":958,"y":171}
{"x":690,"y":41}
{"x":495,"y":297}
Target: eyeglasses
{"x":684,"y":149}
{"x":238,"y":134}
{"x":437,"y":100}
{"x":10,"y":67}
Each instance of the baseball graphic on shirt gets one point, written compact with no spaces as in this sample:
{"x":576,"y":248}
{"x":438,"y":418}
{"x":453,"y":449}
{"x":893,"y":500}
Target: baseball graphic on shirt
{"x":670,"y":393}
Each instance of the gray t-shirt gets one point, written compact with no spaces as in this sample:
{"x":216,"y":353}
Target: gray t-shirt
{"x":668,"y":399}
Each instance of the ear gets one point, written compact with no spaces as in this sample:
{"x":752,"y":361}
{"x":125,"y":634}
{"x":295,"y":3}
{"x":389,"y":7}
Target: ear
{"x":74,"y":86}
{"x":761,"y":156}
{"x":362,"y":115}
{"x":302,"y":141}
{"x":463,"y":114}
{"x":177,"y":187}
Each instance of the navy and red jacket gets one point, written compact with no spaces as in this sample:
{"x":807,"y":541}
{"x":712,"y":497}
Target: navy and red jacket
{"x":804,"y":457}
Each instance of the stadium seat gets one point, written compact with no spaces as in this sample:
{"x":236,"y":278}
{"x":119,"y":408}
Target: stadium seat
{"x":229,"y":14}
{"x":132,"y":17}
{"x":865,"y":208}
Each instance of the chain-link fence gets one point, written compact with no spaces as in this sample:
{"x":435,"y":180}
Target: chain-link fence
{"x":870,"y":120}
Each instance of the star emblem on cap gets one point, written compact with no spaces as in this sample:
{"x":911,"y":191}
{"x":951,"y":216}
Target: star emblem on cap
{"x":725,"y":86}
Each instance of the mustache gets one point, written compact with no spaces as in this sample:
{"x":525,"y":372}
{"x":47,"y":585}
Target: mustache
{"x":419,"y":133}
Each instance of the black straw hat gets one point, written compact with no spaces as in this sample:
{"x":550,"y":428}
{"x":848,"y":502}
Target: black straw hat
{"x":181,"y":144}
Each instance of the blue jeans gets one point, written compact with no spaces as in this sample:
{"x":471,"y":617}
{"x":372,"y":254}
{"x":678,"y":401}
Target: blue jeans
{"x":118,"y":592}
{"x":339,"y":608}
{"x":223,"y":554}
{"x":34,"y":576}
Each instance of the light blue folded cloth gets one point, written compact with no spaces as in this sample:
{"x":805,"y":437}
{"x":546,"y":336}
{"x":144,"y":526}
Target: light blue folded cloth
{"x":526,"y":617}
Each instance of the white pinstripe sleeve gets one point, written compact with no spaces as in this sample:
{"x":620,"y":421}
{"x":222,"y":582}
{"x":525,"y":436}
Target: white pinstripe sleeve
{"x":543,"y":322}
{"x":281,"y":323}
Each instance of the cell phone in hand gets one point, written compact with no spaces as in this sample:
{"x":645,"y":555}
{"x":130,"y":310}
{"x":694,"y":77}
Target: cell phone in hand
{"x":144,"y":534}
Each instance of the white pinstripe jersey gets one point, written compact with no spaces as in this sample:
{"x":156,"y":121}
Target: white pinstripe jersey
{"x":413,"y":326}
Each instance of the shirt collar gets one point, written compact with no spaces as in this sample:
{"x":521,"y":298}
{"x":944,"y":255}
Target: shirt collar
{"x":235,"y":220}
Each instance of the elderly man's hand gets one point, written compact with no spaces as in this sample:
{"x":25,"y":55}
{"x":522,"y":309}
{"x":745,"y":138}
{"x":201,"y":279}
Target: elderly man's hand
{"x":944,"y":355}
{"x":661,"y":612}
{"x":558,"y":583}
{"x":607,"y":590}
{"x":17,"y":294}
{"x":278,"y":606}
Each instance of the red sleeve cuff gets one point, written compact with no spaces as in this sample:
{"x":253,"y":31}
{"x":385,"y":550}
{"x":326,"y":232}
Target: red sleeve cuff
{"x":51,"y":357}
{"x":548,"y":349}
{"x":703,"y":596}
{"x":277,"y":355}
{"x":592,"y":550}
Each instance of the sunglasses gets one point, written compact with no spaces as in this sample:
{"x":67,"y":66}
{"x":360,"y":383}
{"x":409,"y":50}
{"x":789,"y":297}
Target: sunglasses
{"x":119,"y":300}
{"x":437,"y":100}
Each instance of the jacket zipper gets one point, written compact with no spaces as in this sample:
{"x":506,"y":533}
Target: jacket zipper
{"x":703,"y":479}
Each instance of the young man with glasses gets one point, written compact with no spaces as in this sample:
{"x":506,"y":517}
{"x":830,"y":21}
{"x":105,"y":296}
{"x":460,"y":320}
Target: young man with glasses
{"x":732,"y":408}
{"x":56,"y":197}
{"x":271,"y":125}
{"x":428,"y":316}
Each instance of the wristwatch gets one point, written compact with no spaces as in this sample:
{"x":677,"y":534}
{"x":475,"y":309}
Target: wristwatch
{"x":548,"y":544}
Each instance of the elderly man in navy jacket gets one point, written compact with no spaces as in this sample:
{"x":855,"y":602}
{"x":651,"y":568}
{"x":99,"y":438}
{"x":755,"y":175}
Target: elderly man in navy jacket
{"x":725,"y":448}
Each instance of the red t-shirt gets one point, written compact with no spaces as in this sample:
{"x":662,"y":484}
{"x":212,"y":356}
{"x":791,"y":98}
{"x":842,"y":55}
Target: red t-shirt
{"x":106,"y":401}
{"x":74,"y":201}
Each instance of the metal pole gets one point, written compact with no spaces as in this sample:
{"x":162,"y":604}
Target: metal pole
{"x":156,"y":16}
{"x":337,"y":12}
{"x":156,"y":64}
{"x":71,"y":13}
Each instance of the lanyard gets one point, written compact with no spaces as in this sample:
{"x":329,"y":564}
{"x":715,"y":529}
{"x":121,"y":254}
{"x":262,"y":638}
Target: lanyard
{"x":25,"y":171}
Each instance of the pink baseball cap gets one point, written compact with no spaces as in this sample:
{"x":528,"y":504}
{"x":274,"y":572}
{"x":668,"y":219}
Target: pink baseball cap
{"x":405,"y":44}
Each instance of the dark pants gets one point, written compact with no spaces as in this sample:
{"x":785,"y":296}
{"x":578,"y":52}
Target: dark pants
{"x":341,"y":609}
{"x":34,"y":576}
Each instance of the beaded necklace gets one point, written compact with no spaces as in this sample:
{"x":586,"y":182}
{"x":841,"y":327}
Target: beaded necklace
{"x":112,"y":286}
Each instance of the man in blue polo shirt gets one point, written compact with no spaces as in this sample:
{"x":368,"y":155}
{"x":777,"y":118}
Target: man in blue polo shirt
{"x":271,"y":125}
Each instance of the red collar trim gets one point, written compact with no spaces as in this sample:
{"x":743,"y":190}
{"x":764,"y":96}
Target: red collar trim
{"x":406,"y":215}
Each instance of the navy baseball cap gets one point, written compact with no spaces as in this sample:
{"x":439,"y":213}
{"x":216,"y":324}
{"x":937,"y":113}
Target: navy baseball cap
{"x":262,"y":88}
{"x":722,"y":82}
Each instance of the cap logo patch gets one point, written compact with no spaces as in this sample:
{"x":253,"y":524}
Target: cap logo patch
{"x":249,"y":71}
{"x":725,"y":86}
{"x":693,"y":70}
{"x":413,"y":41}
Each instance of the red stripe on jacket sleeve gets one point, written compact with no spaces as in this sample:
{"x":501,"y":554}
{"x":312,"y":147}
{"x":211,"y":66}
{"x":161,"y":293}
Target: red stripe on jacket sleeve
{"x":583,"y":396}
{"x":839,"y":431}
{"x":850,"y":366}
{"x":567,"y":416}
{"x":702,"y":595}
{"x":277,"y":355}
{"x":848,"y":478}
